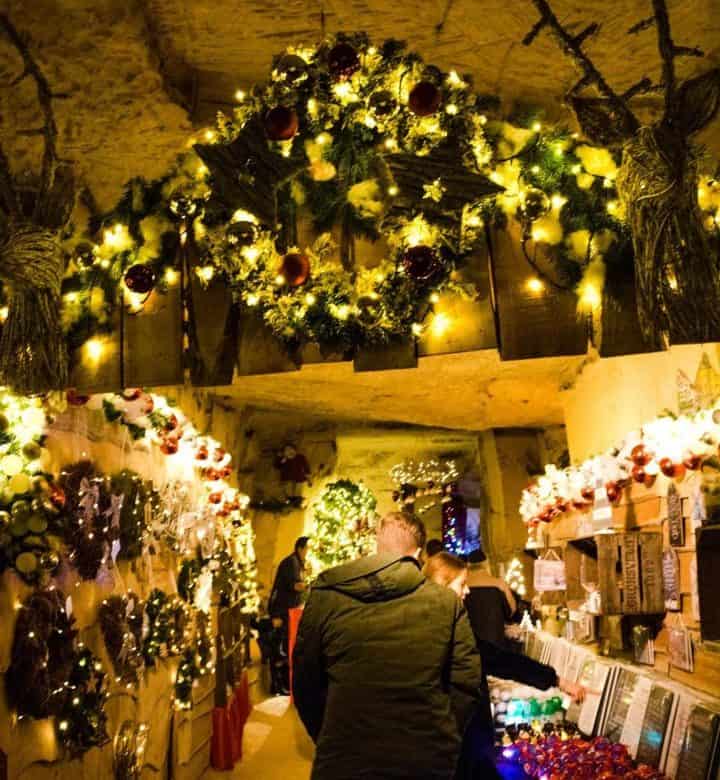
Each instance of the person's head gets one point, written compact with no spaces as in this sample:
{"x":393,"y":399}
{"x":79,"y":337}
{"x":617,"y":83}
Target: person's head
{"x":433,"y":547}
{"x":478,"y":558}
{"x":448,"y":570}
{"x":401,"y":533}
{"x":289,"y":451}
{"x":301,"y":547}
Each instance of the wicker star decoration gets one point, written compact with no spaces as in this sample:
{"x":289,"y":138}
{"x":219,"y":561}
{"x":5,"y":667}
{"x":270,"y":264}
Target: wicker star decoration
{"x":417,"y":179}
{"x":247,"y":173}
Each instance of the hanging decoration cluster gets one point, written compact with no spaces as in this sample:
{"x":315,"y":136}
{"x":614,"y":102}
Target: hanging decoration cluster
{"x":341,"y":197}
{"x":422,"y":479}
{"x":343,"y":525}
{"x":669,"y":447}
{"x":80,"y":527}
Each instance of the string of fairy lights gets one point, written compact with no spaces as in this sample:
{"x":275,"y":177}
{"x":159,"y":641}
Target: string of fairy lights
{"x":368,"y":137}
{"x":85,"y":522}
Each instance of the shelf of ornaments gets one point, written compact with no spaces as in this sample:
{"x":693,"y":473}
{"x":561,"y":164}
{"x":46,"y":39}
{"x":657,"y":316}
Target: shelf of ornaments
{"x":645,"y":509}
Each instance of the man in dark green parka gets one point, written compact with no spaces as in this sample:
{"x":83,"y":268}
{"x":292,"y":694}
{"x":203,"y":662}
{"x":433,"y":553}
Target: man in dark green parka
{"x":385,"y":665}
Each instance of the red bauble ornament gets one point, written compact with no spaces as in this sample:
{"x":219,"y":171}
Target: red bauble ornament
{"x":281,"y":123}
{"x":140,"y":278}
{"x":343,"y":61}
{"x":212,"y":475}
{"x":421,"y":263}
{"x":671,"y":469}
{"x":295,"y":268}
{"x":218,"y":455}
{"x":171,"y":423}
{"x":613,"y":492}
{"x":692,"y":461}
{"x":215,"y":498}
{"x":225,"y":472}
{"x":76,"y":399}
{"x":57,"y":496}
{"x":588,"y":493}
{"x":131,"y":393}
{"x":640,"y":456}
{"x":424,"y":99}
{"x":202,"y":453}
{"x":639,"y":474}
{"x":169,"y":446}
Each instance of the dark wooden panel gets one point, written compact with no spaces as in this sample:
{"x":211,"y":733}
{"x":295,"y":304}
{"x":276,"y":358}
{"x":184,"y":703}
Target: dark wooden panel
{"x":213,"y":334}
{"x":386,"y":358}
{"x":532,"y":324}
{"x":153,"y":342}
{"x":621,"y":333}
{"x":259,"y":352}
{"x":707,"y":544}
{"x":97,"y":367}
{"x":462,"y":325}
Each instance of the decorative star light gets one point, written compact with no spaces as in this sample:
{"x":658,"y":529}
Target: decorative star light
{"x":247,"y":172}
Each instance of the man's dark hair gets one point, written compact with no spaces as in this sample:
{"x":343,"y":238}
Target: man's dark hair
{"x":477,"y":556}
{"x":433,"y":547}
{"x":301,"y":542}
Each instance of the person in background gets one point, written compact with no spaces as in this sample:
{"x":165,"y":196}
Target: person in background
{"x":433,"y":547}
{"x":477,"y":758}
{"x":287,"y":592}
{"x":385,"y":665}
{"x":490,"y":602}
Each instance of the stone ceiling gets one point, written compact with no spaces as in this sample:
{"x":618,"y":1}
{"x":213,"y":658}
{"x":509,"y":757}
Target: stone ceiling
{"x":136,"y":76}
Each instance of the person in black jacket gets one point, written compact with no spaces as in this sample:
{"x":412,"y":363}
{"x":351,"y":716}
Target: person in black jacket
{"x":385,"y":665}
{"x":477,"y":757}
{"x":286,"y":594}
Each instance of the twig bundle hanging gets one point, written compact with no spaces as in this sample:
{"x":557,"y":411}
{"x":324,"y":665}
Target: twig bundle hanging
{"x":677,"y":270}
{"x":677,"y":281}
{"x":32,"y":349}
{"x":33,"y":356}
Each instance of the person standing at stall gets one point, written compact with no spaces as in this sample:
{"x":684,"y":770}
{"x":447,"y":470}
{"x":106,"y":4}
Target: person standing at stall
{"x":477,"y":758}
{"x":385,"y":665}
{"x":287,"y":592}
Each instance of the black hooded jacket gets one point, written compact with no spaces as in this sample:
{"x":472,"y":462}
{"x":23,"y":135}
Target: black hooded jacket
{"x":385,"y":666}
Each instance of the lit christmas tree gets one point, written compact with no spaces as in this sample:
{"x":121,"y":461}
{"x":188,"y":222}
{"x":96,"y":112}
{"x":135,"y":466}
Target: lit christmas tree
{"x":343,"y":525}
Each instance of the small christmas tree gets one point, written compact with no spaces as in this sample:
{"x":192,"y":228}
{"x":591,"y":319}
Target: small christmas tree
{"x":343,"y":525}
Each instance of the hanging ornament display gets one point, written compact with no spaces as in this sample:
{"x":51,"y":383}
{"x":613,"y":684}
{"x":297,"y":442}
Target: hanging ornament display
{"x":140,"y":279}
{"x":291,"y":67}
{"x":182,"y":206}
{"x":454,"y":520}
{"x":382,"y":103}
{"x":421,"y":263}
{"x":121,"y":623}
{"x":84,"y":255}
{"x":424,"y":99}
{"x":343,"y":61}
{"x":295,"y":269}
{"x":534,"y":203}
{"x":281,"y":123}
{"x":242,"y":233}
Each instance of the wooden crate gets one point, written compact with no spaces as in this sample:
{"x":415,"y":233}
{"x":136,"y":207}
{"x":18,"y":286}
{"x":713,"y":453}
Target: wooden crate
{"x":630,"y":573}
{"x":213,"y":334}
{"x":532,"y":323}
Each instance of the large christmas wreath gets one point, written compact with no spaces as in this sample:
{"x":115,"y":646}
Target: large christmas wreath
{"x":342,"y":196}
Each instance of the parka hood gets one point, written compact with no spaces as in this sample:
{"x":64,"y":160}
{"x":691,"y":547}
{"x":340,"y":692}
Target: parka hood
{"x":382,"y":577}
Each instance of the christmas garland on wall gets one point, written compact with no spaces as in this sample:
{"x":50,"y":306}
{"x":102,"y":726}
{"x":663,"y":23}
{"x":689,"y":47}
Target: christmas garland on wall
{"x":669,"y":447}
{"x":52,"y":674}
